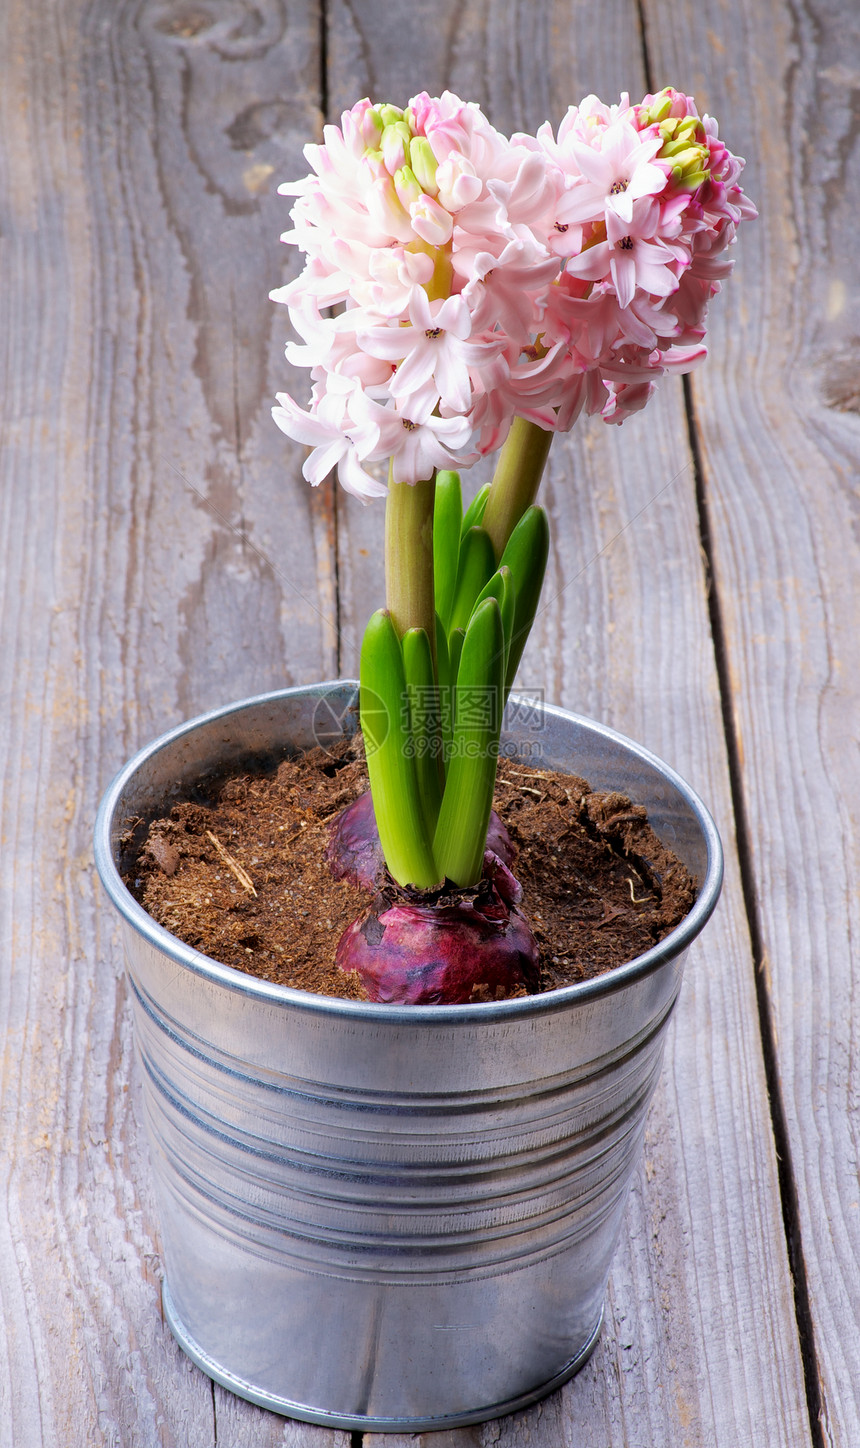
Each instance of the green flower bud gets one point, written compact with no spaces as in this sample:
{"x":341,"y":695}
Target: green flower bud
{"x":395,"y":214}
{"x":423,"y":163}
{"x":690,"y":166}
{"x":690,"y":180}
{"x":372,"y":126}
{"x":389,"y":114}
{"x":395,"y":145}
{"x":658,"y":109}
{"x":402,"y":130}
{"x":375,"y":157}
{"x":406,"y":186}
{"x":690,"y":159}
{"x":690,"y":130}
{"x":675,"y":147}
{"x":685,"y":146}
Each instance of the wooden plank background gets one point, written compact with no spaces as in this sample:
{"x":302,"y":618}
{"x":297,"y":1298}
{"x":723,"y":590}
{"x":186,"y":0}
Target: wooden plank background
{"x":784,"y":503}
{"x":161,"y":553}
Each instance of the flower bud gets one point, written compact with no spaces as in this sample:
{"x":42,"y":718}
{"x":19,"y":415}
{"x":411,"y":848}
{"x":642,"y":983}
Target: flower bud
{"x":668,"y":104}
{"x":690,"y":180}
{"x":685,"y":150}
{"x":431,"y":221}
{"x":677,"y":134}
{"x":395,"y":146}
{"x":658,"y":110}
{"x":457,"y":182}
{"x":406,"y":186}
{"x":423,"y":163}
{"x":374,"y":161}
{"x":389,"y":114}
{"x":690,"y":166}
{"x":681,"y":131}
{"x":371,"y":128}
{"x":385,"y":208}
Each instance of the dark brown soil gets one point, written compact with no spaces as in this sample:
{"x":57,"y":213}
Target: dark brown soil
{"x":239,"y":871}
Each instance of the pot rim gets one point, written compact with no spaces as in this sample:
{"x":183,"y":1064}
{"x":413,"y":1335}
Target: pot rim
{"x":287,"y":996}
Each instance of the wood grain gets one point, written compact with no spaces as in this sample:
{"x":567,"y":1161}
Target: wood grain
{"x":783,"y":500}
{"x":700,"y":1345}
{"x":159,"y":554}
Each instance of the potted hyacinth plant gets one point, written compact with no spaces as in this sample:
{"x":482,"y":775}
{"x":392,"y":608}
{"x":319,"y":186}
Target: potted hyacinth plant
{"x":464,"y":293}
{"x":399,"y":1213}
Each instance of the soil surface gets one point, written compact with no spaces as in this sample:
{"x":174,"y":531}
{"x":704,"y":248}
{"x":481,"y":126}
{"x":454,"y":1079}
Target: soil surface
{"x":238,"y":871}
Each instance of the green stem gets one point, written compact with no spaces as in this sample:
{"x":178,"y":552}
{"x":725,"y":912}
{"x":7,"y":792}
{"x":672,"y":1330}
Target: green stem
{"x":516,"y":480}
{"x":409,"y":556}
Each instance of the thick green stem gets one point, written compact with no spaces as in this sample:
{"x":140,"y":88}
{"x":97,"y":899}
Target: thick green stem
{"x":516,"y":480}
{"x":409,"y":556}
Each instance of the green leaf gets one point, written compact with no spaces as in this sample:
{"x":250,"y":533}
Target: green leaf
{"x":447,"y":517}
{"x":385,"y":722}
{"x":525,"y":555}
{"x":477,"y":564}
{"x":443,"y":663}
{"x":475,"y":511}
{"x":461,"y":834}
{"x":424,"y":713}
{"x":449,"y":701}
{"x":443,"y":674}
{"x":501,"y":587}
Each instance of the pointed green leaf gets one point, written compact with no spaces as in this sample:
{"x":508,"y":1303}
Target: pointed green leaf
{"x":475,"y":511}
{"x":501,"y":588}
{"x":443,"y":674}
{"x":423,"y":694}
{"x":461,"y":834}
{"x":477,"y":564}
{"x":385,"y":722}
{"x":526,"y":555}
{"x":442,"y":659}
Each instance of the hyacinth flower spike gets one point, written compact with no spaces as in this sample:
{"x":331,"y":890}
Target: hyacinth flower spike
{"x":483,"y":291}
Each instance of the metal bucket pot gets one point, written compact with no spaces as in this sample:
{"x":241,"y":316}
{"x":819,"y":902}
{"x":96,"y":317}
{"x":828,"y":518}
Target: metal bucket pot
{"x":384,"y":1217}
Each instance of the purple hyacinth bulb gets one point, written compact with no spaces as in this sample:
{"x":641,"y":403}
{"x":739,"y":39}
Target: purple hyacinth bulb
{"x":439,"y":954}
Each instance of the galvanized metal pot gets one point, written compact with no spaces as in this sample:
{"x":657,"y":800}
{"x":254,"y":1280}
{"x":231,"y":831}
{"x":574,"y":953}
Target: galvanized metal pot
{"x":385,"y":1217}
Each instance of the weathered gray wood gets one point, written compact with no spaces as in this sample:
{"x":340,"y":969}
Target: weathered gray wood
{"x":701,"y":1343}
{"x":241,"y":1425}
{"x":783,"y":500}
{"x":139,"y":238}
{"x":138,"y":230}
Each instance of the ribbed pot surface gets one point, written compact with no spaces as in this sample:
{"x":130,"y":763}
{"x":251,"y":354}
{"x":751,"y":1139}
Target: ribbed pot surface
{"x":383,"y":1216}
